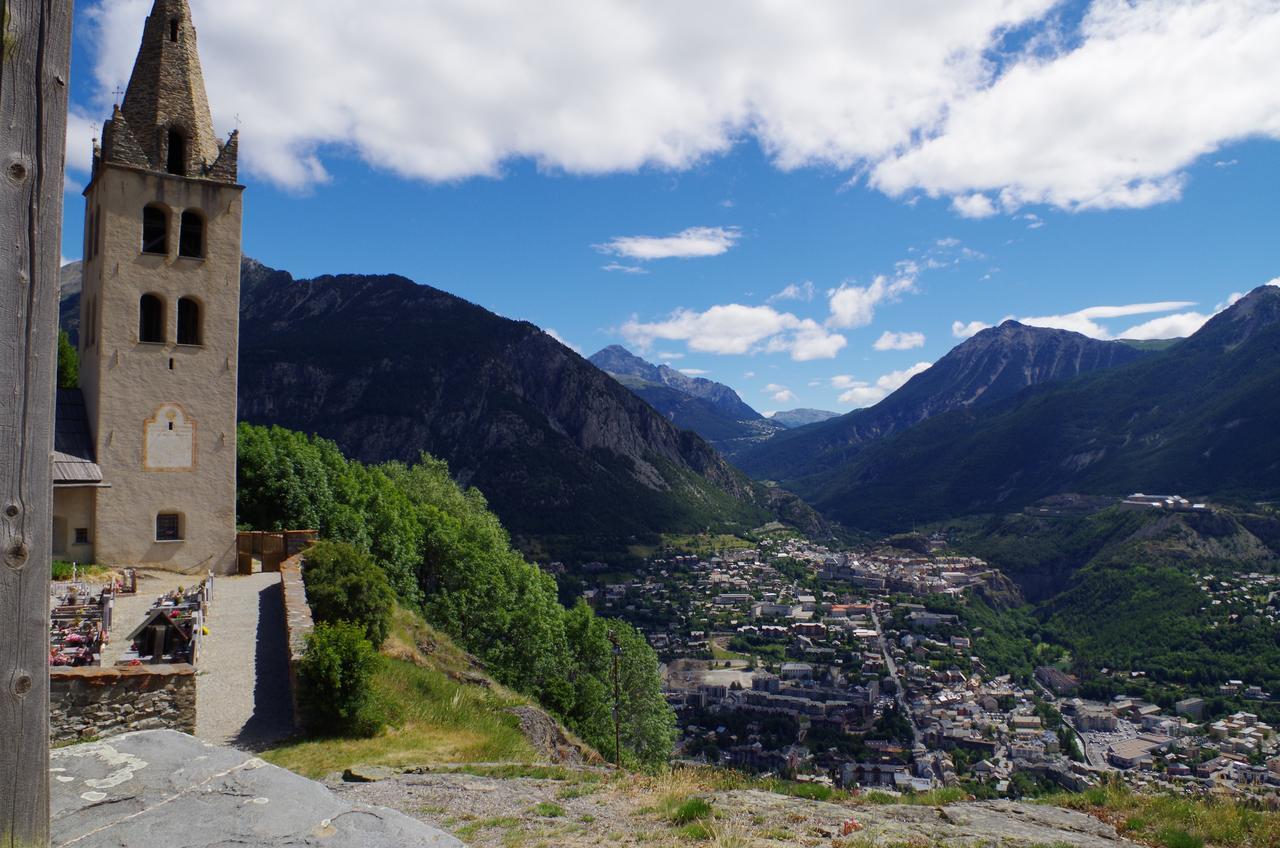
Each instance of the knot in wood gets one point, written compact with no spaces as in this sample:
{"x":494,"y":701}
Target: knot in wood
{"x":12,"y":510}
{"x":17,"y":169}
{"x":22,"y":685}
{"x":17,"y":555}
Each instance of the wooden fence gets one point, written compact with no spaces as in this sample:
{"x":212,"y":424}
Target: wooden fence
{"x":270,"y":548}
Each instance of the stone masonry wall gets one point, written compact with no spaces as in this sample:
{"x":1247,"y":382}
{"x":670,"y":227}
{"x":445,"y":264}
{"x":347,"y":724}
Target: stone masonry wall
{"x":298,"y":623}
{"x":100,"y":702}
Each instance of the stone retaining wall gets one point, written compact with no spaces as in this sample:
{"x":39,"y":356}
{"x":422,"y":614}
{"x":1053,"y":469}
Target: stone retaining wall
{"x":298,"y":623}
{"x":100,"y":702}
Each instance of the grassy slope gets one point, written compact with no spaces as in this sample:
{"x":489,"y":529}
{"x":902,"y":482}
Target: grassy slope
{"x":440,"y":712}
{"x":1171,"y":821}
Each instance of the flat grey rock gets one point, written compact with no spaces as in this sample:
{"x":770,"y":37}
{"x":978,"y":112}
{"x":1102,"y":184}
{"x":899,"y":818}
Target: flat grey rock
{"x":165,"y":788}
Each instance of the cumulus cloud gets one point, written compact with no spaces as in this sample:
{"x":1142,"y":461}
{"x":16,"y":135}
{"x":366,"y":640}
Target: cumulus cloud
{"x":899,"y":341}
{"x":594,"y":87}
{"x":1107,"y":112}
{"x":1108,"y":117}
{"x":796,"y":291}
{"x":785,"y":396}
{"x":738,"y":329}
{"x":961,"y":330}
{"x":859,"y":393}
{"x":693,"y":243}
{"x":973,"y":206}
{"x":855,"y":306}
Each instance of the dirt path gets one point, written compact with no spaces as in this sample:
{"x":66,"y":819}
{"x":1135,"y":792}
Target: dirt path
{"x":242,"y":696}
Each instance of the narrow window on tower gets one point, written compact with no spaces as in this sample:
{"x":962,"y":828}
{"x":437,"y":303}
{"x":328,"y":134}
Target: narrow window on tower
{"x":88,"y":237}
{"x":155,"y":230}
{"x":151,"y":319}
{"x":97,"y":231}
{"x":191,"y":237}
{"x":188,"y":321}
{"x":173,"y":29}
{"x":177,"y":153}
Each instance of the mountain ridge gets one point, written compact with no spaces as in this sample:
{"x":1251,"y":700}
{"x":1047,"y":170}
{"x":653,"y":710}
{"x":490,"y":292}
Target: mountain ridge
{"x":994,"y":364}
{"x":712,"y":410}
{"x":1195,"y":419}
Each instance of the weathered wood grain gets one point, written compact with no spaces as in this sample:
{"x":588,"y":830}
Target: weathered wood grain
{"x":34,"y":69}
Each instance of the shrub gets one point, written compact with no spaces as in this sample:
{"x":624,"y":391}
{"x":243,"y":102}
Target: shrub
{"x":334,"y":682}
{"x":345,"y":584}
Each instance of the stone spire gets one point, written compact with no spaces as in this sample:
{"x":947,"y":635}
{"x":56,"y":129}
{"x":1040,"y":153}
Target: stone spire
{"x":164,"y":123}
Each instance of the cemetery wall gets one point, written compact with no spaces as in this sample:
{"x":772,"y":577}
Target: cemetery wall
{"x":298,"y":623}
{"x":97,"y":702}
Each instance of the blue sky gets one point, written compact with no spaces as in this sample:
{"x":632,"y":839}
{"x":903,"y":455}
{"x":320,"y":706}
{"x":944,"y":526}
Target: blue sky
{"x":809,"y":236}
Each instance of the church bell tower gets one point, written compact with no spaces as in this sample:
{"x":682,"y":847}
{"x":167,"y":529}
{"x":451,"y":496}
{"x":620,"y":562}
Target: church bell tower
{"x":159,"y":314}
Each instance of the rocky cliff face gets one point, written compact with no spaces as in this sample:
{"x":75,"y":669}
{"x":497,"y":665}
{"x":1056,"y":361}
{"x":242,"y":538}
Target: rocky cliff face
{"x":388,"y":369}
{"x":995,"y":364}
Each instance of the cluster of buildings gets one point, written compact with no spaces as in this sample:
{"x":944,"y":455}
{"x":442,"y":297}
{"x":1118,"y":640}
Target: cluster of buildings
{"x":789,"y":658}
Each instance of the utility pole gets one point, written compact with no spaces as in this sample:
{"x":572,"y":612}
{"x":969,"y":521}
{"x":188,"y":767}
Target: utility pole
{"x":617,"y":701}
{"x":34,"y":69}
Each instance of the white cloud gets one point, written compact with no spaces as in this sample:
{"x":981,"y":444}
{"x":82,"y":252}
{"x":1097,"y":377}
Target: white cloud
{"x":553,"y":334}
{"x":670,"y":356}
{"x":1086,"y":320}
{"x":1176,"y":326}
{"x":857,"y":393}
{"x":961,"y":330}
{"x":454,"y":89}
{"x":618,"y":267}
{"x":693,"y":243}
{"x":785,"y":396}
{"x":899,"y":341}
{"x":855,"y":306}
{"x":796,"y":291}
{"x":973,"y":206}
{"x":1226,"y":163}
{"x":694,"y":372}
{"x":1109,"y":114}
{"x":1111,"y":118}
{"x":774,"y":387}
{"x":737,"y":329}
{"x":749,"y":375}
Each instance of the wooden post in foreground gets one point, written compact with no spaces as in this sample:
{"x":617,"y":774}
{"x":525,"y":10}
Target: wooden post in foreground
{"x":34,"y":71}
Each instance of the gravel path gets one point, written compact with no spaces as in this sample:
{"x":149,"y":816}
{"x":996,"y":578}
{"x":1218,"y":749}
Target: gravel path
{"x":242,"y":696}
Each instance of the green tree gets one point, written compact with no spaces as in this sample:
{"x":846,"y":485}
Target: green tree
{"x":345,"y":584}
{"x":335,"y":681}
{"x":68,"y":362}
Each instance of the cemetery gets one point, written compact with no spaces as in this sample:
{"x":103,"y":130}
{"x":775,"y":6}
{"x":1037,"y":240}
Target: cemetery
{"x":149,"y":680}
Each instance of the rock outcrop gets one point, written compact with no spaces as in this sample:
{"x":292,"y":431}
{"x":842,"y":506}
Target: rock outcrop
{"x":166,"y":788}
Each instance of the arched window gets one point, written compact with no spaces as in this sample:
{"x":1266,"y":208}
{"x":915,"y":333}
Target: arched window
{"x":191,"y":237}
{"x":155,"y":230}
{"x":188,"y":321}
{"x":151,"y":319}
{"x":177,"y":153}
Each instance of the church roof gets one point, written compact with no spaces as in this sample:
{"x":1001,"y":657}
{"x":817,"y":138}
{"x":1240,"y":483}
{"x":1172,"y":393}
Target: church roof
{"x":74,"y":460}
{"x":166,"y":100}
